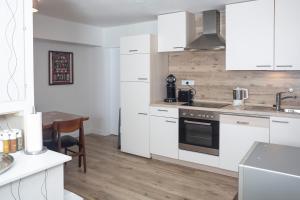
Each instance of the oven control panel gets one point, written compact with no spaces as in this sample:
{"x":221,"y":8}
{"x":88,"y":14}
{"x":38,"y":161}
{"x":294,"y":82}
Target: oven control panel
{"x":199,"y":114}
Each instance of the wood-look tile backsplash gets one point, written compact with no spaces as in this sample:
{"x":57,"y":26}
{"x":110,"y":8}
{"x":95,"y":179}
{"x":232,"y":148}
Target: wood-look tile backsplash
{"x":213,"y":82}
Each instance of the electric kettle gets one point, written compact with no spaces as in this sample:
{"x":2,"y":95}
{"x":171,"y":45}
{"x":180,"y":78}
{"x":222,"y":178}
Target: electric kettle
{"x":239,"y":96}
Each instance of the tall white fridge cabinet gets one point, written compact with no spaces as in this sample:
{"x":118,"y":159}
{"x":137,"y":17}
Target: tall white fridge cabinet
{"x":142,"y":74}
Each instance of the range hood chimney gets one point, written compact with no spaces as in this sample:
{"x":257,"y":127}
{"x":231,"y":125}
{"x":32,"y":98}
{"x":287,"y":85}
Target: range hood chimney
{"x":211,"y":38}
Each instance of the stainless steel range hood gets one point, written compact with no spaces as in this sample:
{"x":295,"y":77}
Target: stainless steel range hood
{"x":211,"y":38}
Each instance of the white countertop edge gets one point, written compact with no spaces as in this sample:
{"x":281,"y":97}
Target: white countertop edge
{"x":230,"y":110}
{"x":40,"y":163}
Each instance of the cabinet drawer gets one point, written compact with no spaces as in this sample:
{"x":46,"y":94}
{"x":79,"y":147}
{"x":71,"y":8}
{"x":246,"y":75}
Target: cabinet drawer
{"x":199,"y":158}
{"x":135,"y":67}
{"x":245,"y":121}
{"x":135,"y":44}
{"x":164,"y":112}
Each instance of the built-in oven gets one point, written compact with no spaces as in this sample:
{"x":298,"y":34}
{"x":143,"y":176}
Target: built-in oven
{"x":199,"y":131}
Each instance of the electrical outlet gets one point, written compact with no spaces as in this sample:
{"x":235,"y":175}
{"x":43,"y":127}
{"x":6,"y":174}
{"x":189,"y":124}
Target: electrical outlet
{"x":187,"y":82}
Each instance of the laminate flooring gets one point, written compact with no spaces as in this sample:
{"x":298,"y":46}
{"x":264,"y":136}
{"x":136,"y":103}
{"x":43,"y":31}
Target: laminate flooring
{"x":113,"y":175}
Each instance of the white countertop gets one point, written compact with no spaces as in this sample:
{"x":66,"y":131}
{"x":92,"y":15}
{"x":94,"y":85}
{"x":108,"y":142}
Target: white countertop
{"x":252,"y":110}
{"x":26,"y":165}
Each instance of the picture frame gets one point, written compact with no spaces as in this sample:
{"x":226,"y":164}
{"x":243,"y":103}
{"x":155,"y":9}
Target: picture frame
{"x":61,"y":69}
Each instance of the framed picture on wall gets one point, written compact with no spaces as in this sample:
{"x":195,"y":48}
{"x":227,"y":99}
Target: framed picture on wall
{"x":61,"y":71}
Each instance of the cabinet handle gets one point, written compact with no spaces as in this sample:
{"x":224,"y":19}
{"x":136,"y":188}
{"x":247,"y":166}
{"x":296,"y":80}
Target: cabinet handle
{"x":142,"y":79}
{"x":142,"y":113}
{"x":170,"y":121}
{"x":242,"y":123}
{"x":177,"y":47}
{"x":161,"y":110}
{"x":284,"y":66}
{"x":133,"y":50}
{"x":281,"y":122}
{"x":263,"y":66}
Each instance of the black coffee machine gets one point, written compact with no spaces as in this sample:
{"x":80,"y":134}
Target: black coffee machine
{"x":171,"y":89}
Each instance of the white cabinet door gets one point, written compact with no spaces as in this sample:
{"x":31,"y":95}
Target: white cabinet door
{"x":175,"y":31}
{"x":135,"y":44}
{"x":134,"y":118}
{"x":12,"y":70}
{"x":135,"y":67}
{"x":287,"y":31}
{"x":285,"y":131}
{"x":164,"y":136}
{"x":250,"y":35}
{"x":237,"y":135}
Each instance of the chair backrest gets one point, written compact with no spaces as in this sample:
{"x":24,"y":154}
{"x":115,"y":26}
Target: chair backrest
{"x":60,"y":127}
{"x":67,"y":126}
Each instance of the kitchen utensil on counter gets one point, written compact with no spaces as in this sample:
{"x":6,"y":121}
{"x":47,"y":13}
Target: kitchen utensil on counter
{"x":171,"y":88}
{"x":239,"y":96}
{"x":6,"y":161}
{"x":12,"y":142}
{"x":19,"y":135}
{"x":1,"y":142}
{"x":5,"y":140}
{"x":185,"y":95}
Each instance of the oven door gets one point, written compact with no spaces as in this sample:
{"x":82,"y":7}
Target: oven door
{"x":199,"y":135}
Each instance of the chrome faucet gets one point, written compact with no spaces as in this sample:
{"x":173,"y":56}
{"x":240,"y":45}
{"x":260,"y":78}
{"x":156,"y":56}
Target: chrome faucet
{"x":279,"y":98}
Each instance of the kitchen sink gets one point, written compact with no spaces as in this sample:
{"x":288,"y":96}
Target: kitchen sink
{"x":288,"y":110}
{"x":272,"y":109}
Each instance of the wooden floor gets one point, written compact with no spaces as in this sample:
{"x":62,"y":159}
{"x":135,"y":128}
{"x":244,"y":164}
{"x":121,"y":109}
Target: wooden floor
{"x":115,"y":175}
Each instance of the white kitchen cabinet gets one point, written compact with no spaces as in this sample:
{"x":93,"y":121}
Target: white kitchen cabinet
{"x":142,"y":78}
{"x":16,"y":71}
{"x":164,"y":136}
{"x":287,"y":31}
{"x":250,"y":35}
{"x":285,"y":131}
{"x":135,"y":100}
{"x":175,"y":31}
{"x":137,"y":44}
{"x":237,"y":135}
{"x":135,"y":67}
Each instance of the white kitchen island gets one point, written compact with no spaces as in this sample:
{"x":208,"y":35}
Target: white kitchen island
{"x":35,"y":177}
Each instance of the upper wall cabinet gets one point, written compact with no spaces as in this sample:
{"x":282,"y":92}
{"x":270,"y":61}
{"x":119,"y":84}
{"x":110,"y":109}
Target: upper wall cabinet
{"x":175,"y":31}
{"x":287,"y":31}
{"x":140,"y":44}
{"x":16,"y":71}
{"x":250,"y":35}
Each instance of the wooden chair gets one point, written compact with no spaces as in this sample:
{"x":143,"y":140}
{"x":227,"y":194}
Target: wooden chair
{"x":67,"y":141}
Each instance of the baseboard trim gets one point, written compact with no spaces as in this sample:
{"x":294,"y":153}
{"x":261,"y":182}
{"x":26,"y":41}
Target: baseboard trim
{"x":196,"y":166}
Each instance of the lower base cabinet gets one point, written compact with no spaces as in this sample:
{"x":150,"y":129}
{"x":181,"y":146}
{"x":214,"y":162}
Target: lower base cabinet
{"x":48,"y":184}
{"x":164,"y":136}
{"x":135,"y":134}
{"x":237,"y":135}
{"x":285,"y":131}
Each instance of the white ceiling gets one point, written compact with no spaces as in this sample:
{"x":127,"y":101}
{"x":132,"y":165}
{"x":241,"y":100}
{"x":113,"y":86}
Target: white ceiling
{"x":118,"y":12}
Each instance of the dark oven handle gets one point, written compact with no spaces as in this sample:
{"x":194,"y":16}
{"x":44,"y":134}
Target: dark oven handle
{"x":197,"y":123}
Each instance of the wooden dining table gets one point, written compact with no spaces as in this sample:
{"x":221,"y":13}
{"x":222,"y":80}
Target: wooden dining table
{"x":49,"y":118}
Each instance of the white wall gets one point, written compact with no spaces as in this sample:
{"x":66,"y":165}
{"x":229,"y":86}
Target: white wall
{"x":51,"y":28}
{"x":87,"y":96}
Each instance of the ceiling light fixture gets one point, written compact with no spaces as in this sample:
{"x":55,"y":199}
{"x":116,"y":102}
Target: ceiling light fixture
{"x":35,"y":6}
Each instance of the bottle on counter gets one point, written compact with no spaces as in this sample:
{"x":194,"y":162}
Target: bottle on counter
{"x":12,"y":142}
{"x":1,"y":142}
{"x":5,"y":143}
{"x":19,"y":139}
